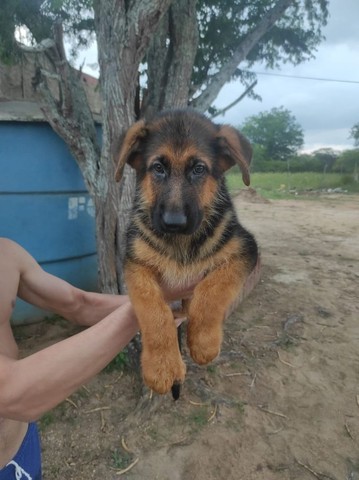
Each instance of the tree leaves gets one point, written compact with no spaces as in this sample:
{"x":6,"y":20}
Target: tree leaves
{"x":277,"y":132}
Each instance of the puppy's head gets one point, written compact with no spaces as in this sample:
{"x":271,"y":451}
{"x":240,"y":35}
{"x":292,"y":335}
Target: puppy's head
{"x":179,"y":158}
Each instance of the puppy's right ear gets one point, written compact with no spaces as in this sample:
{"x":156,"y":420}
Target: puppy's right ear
{"x":130,"y":151}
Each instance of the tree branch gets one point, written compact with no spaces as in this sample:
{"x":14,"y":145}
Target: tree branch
{"x":207,"y":97}
{"x":232,"y":104}
{"x":67,"y":110}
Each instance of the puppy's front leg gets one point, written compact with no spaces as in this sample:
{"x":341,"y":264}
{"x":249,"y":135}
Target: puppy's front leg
{"x":161,"y":360}
{"x":211,"y":300}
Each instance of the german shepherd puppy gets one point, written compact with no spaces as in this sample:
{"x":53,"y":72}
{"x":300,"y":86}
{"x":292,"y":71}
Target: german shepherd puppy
{"x":183,"y":227}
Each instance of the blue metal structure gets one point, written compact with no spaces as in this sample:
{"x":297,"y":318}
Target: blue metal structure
{"x":45,"y":207}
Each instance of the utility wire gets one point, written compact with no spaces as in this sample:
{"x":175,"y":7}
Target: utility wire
{"x":302,"y":78}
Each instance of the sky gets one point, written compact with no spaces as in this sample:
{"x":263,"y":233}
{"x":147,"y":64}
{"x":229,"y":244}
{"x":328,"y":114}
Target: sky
{"x":325,"y":110}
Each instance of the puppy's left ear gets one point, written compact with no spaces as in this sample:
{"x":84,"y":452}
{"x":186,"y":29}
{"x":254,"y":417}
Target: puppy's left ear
{"x":130,"y":151}
{"x":234,"y":148}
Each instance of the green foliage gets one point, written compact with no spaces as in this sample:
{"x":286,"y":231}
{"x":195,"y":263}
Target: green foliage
{"x":279,"y":184}
{"x":120,"y":459}
{"x":347,"y":162}
{"x":77,"y":18}
{"x":327,"y":156}
{"x":46,"y":420}
{"x":277,"y":133}
{"x":37,"y":18}
{"x":199,"y":417}
{"x":323,"y":161}
{"x":118,"y":363}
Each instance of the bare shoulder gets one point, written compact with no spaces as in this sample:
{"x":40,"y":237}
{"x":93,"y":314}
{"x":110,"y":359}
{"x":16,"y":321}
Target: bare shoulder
{"x":7,"y":245}
{"x":11,"y":252}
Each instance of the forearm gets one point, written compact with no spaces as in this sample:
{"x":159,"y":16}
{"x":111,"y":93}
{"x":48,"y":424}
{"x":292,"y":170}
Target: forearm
{"x":52,"y":293}
{"x":33,"y":385}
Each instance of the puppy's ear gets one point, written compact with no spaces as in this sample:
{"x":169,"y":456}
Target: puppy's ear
{"x":130,"y":151}
{"x":234,"y":148}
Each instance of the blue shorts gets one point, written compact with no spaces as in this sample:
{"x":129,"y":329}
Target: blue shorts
{"x":26,"y":465}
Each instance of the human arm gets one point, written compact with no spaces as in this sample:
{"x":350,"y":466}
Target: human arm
{"x":49,"y":292}
{"x":35,"y":384}
{"x":31,"y":386}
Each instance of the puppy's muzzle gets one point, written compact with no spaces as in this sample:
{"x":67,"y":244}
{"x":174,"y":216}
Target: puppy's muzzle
{"x":174,"y":222}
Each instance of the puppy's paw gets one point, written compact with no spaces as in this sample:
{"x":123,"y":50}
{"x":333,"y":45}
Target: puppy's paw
{"x":204,"y":344}
{"x":161,"y":370}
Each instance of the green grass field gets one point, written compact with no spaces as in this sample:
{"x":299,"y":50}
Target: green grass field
{"x":284,"y":185}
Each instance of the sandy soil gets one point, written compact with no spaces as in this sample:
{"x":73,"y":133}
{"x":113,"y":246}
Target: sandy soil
{"x":281,"y":402}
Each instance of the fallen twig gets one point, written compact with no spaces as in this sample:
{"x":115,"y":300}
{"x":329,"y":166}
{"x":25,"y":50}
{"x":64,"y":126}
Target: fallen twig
{"x":283,"y":361}
{"x":181,"y":441}
{"x":117,"y":378}
{"x":198,"y":404}
{"x":271,"y":412}
{"x":124,"y":446}
{"x":98,"y":409}
{"x":321,"y":476}
{"x":125,"y":470}
{"x":275,"y":431}
{"x":348,"y":430}
{"x":213,"y":414}
{"x":71,"y":402}
{"x":103,"y":423}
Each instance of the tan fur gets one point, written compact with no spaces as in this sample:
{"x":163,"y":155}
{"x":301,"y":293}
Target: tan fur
{"x":239,"y":148}
{"x":133,"y":135}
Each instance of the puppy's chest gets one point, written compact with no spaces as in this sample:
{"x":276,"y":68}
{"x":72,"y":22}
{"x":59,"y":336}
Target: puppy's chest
{"x":172,"y":260}
{"x":178,"y":261}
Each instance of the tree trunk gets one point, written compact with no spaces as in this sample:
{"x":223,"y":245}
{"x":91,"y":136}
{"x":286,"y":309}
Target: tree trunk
{"x":170,"y":59}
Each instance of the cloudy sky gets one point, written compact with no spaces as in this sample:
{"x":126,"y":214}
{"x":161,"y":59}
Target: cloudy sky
{"x":325,"y":110}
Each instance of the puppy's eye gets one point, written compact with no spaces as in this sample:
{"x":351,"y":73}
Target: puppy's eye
{"x":158,"y":168}
{"x":199,"y":169}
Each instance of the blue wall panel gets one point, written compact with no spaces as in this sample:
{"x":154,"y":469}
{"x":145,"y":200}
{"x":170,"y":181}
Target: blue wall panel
{"x":44,"y":206}
{"x":34,"y":158}
{"x":50,"y":226}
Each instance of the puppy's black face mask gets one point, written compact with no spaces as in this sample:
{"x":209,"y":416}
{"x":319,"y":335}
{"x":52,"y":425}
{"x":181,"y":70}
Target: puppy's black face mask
{"x":179,"y":158}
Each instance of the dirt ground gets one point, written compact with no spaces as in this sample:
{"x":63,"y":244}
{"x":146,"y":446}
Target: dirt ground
{"x":282,"y":400}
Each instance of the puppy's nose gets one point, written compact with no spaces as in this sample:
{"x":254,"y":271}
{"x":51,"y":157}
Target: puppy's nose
{"x":174,"y":221}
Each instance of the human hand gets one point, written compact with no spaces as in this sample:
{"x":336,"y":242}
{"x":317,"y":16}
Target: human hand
{"x":174,"y":295}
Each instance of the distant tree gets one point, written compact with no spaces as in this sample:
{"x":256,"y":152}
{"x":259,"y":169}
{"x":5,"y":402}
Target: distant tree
{"x":327,"y":156}
{"x":354,"y":133}
{"x":348,"y":162}
{"x":277,"y":132}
